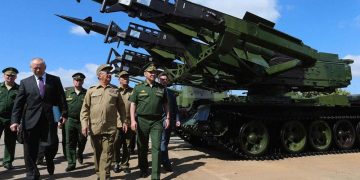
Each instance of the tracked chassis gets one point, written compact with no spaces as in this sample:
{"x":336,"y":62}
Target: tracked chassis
{"x":275,"y":131}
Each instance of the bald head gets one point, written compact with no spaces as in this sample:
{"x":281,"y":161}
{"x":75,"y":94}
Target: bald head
{"x":38,"y":66}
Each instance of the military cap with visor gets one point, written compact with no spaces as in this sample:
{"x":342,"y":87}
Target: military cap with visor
{"x":122,"y":73}
{"x":78,"y":76}
{"x":10,"y":71}
{"x":149,"y":67}
{"x":104,"y":67}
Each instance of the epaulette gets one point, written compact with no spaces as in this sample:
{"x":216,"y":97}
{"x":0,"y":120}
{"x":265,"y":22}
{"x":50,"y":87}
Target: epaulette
{"x":113,"y":86}
{"x":140,"y":83}
{"x":91,"y":87}
{"x":68,"y":88}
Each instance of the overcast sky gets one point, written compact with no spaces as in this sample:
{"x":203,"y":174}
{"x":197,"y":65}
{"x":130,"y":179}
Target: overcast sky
{"x":30,"y":29}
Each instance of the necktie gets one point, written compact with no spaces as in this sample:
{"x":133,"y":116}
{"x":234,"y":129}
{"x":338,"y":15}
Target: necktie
{"x":41,"y":87}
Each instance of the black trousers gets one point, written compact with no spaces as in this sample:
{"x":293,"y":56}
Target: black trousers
{"x":34,"y":137}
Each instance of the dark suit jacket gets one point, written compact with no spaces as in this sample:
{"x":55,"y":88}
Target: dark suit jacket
{"x":32,"y":105}
{"x":172,"y":107}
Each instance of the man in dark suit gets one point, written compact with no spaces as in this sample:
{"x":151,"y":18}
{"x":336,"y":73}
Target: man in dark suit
{"x":37,"y":96}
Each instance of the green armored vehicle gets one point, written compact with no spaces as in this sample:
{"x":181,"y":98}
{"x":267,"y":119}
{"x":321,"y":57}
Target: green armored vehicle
{"x":210,"y":50}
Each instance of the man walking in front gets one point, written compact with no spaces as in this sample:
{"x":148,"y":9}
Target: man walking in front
{"x":74,"y":138}
{"x":149,"y":101}
{"x":38,"y":94}
{"x":8,"y":92}
{"x":98,"y":116}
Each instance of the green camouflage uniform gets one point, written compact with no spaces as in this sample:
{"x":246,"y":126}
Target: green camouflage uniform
{"x":74,"y":137}
{"x":7,"y":98}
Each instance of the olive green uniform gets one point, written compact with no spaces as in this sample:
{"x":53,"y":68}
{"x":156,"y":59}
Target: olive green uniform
{"x":74,"y":137}
{"x":122,"y":139}
{"x":149,"y":108}
{"x":99,"y":113}
{"x":7,"y":98}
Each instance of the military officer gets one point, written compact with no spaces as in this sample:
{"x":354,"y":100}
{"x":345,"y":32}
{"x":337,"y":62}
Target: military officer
{"x":74,"y":138}
{"x":102,"y":105}
{"x":149,"y":100}
{"x":122,"y":139}
{"x":8,"y":92}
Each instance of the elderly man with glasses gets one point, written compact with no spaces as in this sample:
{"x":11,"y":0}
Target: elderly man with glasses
{"x":98,"y":116}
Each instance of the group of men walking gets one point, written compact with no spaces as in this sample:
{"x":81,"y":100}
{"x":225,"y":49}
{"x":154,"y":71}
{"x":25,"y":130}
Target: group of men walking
{"x":109,"y":115}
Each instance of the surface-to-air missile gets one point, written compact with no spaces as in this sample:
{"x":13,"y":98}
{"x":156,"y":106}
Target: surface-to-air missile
{"x":211,"y":50}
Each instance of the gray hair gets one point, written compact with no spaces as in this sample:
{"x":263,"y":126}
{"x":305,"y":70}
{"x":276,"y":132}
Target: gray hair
{"x":38,"y":59}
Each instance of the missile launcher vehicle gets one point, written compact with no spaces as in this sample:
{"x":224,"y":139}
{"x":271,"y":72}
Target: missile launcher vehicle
{"x":207,"y":49}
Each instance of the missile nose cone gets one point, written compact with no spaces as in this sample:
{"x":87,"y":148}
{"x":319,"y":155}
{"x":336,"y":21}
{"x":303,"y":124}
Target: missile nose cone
{"x":85,"y":23}
{"x":77,"y":21}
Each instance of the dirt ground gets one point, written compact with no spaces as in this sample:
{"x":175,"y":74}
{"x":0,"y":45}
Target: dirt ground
{"x":209,"y":164}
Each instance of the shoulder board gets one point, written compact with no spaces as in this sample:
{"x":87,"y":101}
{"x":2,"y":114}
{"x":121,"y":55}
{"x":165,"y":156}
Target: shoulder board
{"x":140,"y":83}
{"x":113,"y":86}
{"x":91,"y":87}
{"x":68,"y":88}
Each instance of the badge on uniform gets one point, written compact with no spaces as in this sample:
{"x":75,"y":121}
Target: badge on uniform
{"x":143,"y":93}
{"x":69,"y":99}
{"x":95,"y":94}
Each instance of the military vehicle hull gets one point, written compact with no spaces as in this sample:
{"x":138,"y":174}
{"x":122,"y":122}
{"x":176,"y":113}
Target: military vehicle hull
{"x":273,"y":131}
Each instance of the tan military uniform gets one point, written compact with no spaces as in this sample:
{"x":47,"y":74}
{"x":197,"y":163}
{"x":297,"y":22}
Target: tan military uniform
{"x":125,"y":94}
{"x":100,"y":108}
{"x":99,"y":112}
{"x":122,"y":139}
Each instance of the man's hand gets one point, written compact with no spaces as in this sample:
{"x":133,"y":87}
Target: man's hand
{"x":85,"y":131}
{"x":133,"y":125}
{"x":167,"y":123}
{"x":178,"y":123}
{"x":14,"y":127}
{"x":124,"y":127}
{"x":63,"y":120}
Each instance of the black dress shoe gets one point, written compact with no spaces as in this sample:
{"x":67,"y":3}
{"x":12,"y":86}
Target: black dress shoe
{"x":70,"y":168}
{"x":116,"y":168}
{"x":80,"y":159}
{"x":144,"y":174}
{"x":126,"y":170}
{"x":167,"y":168}
{"x":8,"y":166}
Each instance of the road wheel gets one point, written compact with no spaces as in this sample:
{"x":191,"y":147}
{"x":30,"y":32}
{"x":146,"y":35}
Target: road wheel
{"x":254,"y":138}
{"x":293,"y":137}
{"x":344,"y":134}
{"x":320,"y":135}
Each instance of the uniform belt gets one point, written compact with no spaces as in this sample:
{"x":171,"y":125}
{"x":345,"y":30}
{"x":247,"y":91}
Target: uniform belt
{"x":151,"y":117}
